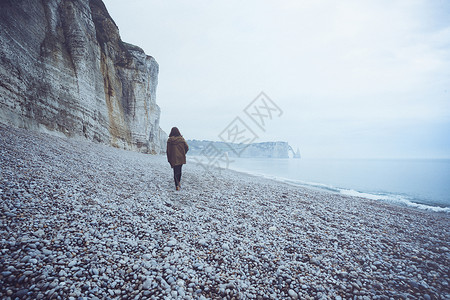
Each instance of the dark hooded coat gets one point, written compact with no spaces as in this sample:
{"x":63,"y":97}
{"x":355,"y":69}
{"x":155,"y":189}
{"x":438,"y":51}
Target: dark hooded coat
{"x":176,"y":150}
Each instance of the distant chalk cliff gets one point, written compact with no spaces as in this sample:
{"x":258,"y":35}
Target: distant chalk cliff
{"x":255,"y":150}
{"x":64,"y":69}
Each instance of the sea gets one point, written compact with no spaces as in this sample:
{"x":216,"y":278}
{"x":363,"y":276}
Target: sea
{"x":419,"y":183}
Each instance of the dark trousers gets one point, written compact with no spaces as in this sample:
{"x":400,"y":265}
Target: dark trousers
{"x":177,"y":174}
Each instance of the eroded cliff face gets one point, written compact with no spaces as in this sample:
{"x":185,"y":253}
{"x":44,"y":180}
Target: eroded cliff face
{"x":255,"y":150}
{"x":64,"y":69}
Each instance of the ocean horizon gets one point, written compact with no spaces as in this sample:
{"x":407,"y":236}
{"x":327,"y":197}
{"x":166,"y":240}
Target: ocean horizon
{"x":419,"y":183}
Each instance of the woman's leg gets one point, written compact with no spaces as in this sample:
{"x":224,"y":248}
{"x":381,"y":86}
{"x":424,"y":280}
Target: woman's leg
{"x":177,"y":175}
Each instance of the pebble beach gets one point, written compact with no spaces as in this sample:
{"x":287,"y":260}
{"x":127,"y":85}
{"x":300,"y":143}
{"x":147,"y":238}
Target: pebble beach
{"x":80,"y":220}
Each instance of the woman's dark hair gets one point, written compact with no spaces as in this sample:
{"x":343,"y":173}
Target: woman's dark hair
{"x":174,"y":132}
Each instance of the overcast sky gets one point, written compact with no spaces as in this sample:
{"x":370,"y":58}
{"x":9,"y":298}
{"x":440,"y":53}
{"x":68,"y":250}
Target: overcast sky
{"x":354,"y":79}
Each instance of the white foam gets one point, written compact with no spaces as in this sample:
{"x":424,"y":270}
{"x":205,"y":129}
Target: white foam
{"x":397,"y":199}
{"x":391,"y":198}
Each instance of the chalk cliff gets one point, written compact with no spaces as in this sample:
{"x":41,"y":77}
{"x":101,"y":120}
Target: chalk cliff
{"x":64,"y":69}
{"x":255,"y":150}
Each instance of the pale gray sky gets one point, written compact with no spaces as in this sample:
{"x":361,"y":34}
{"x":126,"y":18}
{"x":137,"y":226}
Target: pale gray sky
{"x":353,"y":78}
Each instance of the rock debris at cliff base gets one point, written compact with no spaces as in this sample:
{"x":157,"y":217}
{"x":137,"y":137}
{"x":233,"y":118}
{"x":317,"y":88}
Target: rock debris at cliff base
{"x":80,"y":220}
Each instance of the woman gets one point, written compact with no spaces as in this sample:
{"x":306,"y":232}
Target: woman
{"x":176,"y":154}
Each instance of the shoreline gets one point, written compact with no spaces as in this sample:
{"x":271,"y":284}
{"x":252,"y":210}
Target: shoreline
{"x":352,"y":193}
{"x":396,"y":199}
{"x":80,"y":219}
{"x":387,"y":204}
